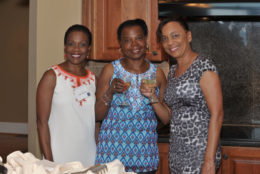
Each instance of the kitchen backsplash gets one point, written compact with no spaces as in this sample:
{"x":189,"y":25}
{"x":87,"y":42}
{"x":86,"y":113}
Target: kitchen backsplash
{"x":234,"y":47}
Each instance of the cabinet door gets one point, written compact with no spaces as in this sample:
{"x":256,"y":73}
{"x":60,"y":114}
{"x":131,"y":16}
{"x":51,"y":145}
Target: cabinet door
{"x":104,"y":16}
{"x":240,"y":160}
{"x":163,"y":167}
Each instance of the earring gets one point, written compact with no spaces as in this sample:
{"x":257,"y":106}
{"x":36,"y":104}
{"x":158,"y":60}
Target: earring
{"x":119,"y":50}
{"x":147,"y":47}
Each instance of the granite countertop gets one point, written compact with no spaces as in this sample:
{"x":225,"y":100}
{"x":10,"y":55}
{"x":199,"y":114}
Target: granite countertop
{"x":247,"y":136}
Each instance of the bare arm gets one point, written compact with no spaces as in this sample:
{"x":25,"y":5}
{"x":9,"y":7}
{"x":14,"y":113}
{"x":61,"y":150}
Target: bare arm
{"x":160,"y":108}
{"x":211,"y":88}
{"x":102,"y":105}
{"x":98,"y":123}
{"x":102,"y":86}
{"x":105,"y":91}
{"x":43,"y":103}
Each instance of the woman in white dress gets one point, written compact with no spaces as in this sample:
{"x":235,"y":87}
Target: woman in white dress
{"x":65,"y":103}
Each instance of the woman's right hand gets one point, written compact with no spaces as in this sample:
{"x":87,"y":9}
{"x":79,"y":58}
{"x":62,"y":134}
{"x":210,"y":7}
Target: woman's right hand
{"x":117,"y":86}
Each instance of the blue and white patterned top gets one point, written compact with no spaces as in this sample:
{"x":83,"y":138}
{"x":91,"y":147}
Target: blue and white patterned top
{"x":129,"y":133}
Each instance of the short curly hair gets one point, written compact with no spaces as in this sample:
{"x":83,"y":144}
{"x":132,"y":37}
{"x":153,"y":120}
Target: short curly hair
{"x":129,"y":23}
{"x":78,"y":27}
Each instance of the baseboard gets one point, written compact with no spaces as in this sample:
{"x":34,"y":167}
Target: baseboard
{"x":14,"y":128}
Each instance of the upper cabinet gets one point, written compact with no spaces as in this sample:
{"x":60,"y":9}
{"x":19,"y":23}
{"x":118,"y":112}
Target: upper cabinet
{"x":103,"y":18}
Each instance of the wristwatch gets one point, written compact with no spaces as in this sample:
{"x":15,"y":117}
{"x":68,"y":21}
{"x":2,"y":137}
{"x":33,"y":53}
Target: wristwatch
{"x":154,"y":99}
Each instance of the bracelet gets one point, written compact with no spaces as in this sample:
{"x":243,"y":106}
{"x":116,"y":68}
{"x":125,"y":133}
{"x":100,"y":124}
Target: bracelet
{"x":106,"y":99}
{"x":154,"y":100}
{"x":107,"y":103}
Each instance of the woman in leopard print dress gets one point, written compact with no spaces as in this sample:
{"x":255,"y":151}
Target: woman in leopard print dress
{"x":194,"y":97}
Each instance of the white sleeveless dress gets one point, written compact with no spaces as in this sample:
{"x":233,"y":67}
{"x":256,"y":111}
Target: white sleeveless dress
{"x":72,"y":118}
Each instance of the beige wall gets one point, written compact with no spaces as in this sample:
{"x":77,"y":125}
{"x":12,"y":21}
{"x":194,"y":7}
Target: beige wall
{"x":14,"y":19}
{"x":49,"y":20}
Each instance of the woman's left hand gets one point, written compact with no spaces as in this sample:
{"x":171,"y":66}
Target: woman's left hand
{"x":146,"y":91}
{"x":208,"y":167}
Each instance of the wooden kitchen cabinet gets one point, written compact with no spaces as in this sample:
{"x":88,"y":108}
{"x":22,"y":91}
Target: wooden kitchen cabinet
{"x":163,"y":167}
{"x":240,"y":160}
{"x":235,"y":160}
{"x":103,"y":18}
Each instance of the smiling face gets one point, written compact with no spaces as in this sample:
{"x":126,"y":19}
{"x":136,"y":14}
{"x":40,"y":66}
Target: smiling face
{"x":133,"y":42}
{"x":77,"y":48}
{"x":175,"y":39}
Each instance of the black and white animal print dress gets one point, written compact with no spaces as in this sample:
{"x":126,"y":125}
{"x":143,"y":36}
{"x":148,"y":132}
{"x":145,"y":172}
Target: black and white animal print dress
{"x":189,"y":118}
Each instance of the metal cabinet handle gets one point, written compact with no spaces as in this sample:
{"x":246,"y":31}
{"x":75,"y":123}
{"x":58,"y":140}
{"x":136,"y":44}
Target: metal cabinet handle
{"x":154,"y":53}
{"x":225,"y":156}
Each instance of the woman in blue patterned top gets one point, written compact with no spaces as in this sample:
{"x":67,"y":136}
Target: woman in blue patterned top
{"x":128,"y":132}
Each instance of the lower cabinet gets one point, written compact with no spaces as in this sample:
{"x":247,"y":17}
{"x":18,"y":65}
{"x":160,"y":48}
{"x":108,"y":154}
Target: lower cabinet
{"x":240,"y":160}
{"x":235,"y":160}
{"x":163,"y":167}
